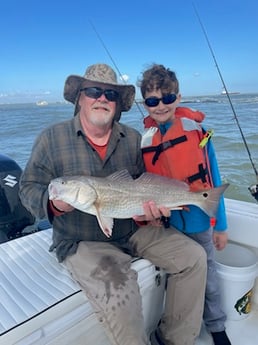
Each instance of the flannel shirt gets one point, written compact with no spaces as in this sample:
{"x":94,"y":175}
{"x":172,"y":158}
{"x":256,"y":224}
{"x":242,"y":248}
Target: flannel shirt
{"x":63,"y":149}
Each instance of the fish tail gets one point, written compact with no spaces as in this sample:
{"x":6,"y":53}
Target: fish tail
{"x":211,"y":199}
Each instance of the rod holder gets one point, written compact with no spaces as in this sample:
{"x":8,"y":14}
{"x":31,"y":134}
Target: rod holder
{"x":254,"y":191}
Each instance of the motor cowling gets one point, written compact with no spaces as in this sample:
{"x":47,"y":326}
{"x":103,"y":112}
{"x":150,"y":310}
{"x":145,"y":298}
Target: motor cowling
{"x":14,"y":217}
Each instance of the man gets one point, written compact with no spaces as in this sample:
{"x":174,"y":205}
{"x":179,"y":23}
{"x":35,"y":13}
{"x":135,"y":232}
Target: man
{"x":93,"y":143}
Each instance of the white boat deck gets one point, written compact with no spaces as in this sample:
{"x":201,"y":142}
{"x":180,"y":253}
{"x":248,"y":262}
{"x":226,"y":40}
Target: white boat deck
{"x":41,"y":303}
{"x":31,"y":279}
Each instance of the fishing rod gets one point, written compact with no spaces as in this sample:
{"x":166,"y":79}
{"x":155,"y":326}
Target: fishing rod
{"x":113,"y":61}
{"x":253,"y":188}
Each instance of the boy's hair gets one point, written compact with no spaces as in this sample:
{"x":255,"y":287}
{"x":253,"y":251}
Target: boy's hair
{"x":157,"y":77}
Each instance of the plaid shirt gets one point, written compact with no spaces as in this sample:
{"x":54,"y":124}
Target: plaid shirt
{"x":63,"y":149}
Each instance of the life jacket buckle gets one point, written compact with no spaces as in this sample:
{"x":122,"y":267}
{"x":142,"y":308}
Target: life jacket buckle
{"x":206,"y":138}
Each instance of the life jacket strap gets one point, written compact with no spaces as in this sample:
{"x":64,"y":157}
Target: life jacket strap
{"x":163,"y":146}
{"x":202,"y":173}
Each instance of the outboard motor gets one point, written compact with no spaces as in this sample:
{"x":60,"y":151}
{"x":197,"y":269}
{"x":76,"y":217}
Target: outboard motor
{"x":14,"y":217}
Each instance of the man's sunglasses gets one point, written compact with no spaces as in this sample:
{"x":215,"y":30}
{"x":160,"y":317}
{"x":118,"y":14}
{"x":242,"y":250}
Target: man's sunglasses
{"x":154,"y":101}
{"x":96,"y":92}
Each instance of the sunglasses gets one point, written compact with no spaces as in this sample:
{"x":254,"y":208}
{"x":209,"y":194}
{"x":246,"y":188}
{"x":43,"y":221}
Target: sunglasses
{"x":154,"y":101}
{"x":96,"y":92}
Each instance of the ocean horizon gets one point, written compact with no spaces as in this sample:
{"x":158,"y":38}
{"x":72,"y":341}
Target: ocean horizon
{"x":22,"y":122}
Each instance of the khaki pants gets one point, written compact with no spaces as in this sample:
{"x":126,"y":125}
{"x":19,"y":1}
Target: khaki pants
{"x":104,"y":273}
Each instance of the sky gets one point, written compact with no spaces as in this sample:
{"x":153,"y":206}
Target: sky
{"x":43,"y":42}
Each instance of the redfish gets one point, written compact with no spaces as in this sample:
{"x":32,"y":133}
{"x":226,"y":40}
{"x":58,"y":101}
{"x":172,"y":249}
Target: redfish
{"x":120,"y":196}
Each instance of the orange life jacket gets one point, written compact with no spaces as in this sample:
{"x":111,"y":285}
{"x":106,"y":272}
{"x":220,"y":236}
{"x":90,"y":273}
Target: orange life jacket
{"x":177,"y":154}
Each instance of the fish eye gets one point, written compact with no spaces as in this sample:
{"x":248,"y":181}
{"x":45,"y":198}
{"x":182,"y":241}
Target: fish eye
{"x":205,"y":195}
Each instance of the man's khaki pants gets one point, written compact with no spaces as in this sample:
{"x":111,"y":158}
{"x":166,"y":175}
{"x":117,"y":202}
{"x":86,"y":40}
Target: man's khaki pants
{"x":104,"y":273}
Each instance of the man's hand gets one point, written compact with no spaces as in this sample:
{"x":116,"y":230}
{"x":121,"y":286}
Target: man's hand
{"x":62,"y":206}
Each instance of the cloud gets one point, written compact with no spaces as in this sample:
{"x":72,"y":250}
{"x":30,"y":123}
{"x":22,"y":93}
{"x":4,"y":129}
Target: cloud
{"x":18,"y":96}
{"x":124,"y":78}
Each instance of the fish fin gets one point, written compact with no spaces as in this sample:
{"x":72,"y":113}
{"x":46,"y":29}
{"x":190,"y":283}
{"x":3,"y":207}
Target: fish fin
{"x":105,"y":223}
{"x":211,"y":199}
{"x":121,"y":175}
{"x":150,"y":178}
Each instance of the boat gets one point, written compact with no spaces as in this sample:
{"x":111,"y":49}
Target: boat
{"x":224,"y":92}
{"x":42,"y":304}
{"x":41,"y":103}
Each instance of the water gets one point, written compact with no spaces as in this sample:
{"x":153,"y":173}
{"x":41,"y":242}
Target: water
{"x":21,"y":123}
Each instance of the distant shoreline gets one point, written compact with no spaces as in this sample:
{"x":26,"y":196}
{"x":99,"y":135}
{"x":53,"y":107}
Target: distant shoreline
{"x":185,"y":99}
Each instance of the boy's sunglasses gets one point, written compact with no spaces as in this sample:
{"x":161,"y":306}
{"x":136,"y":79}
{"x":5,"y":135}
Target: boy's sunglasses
{"x":96,"y":92}
{"x":154,"y":101}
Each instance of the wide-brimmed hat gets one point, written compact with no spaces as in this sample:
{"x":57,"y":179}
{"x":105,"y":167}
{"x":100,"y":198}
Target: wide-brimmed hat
{"x":97,"y":75}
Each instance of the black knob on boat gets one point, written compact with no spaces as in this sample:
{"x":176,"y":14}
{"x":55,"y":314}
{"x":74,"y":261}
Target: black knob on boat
{"x":254,"y":191}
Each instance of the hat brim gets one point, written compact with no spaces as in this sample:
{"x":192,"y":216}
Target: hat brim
{"x":74,"y":83}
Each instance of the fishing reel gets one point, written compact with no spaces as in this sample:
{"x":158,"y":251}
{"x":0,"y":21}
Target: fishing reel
{"x":254,"y":191}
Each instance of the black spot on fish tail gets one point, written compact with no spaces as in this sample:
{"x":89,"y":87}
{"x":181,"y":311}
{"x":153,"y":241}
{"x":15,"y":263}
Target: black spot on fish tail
{"x":211,"y":199}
